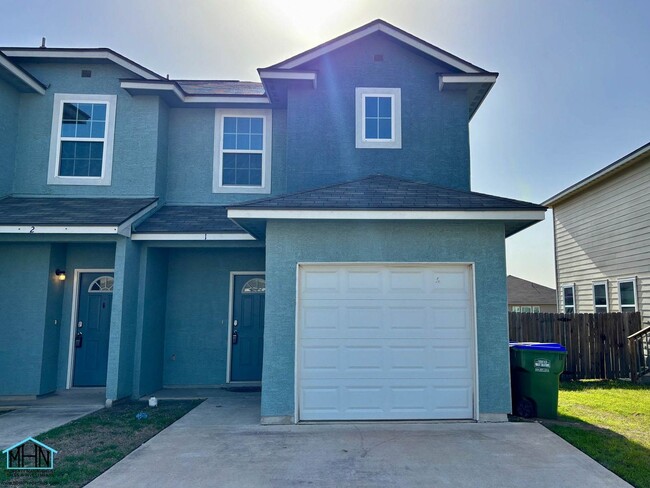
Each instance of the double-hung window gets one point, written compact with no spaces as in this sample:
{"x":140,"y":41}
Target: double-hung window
{"x":627,"y":294}
{"x":569,"y":299}
{"x":81,"y":147}
{"x":242,"y":151}
{"x":601,"y":302}
{"x":378,"y":118}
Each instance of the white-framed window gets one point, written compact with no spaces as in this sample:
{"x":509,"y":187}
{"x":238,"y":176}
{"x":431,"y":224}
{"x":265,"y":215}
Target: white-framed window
{"x":378,"y":118}
{"x":627,"y":295}
{"x":81,"y":144}
{"x":526,"y":308}
{"x":242,"y":151}
{"x":569,"y":298}
{"x":601,"y":300}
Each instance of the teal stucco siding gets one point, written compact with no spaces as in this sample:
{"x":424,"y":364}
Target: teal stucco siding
{"x":321,"y":122}
{"x":8,"y":131}
{"x":196,"y":330}
{"x":289,"y":243}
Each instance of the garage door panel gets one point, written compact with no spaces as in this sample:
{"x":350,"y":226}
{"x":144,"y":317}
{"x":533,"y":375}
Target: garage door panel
{"x":385,"y":342}
{"x":375,"y":358}
{"x":382,"y":400}
{"x":385,"y":319}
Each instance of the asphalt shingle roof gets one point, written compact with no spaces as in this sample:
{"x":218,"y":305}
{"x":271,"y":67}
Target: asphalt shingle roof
{"x":190,"y":219}
{"x":382,"y":192}
{"x":524,"y":292}
{"x":221,"y":87}
{"x":70,"y":211}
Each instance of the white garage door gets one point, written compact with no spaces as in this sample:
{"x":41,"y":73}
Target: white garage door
{"x":384,"y":341}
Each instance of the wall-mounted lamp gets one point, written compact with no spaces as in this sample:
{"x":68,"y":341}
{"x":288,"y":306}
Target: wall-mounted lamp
{"x":60,"y":274}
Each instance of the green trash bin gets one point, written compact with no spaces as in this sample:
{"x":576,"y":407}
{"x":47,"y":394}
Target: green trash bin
{"x":535,"y":370}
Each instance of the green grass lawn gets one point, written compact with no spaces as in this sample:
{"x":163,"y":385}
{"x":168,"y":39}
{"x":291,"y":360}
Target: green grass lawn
{"x":92,"y":444}
{"x":610,"y":422}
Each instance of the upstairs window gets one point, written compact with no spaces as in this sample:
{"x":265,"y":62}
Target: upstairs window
{"x":378,"y":118}
{"x":627,"y":294}
{"x":242,"y":151}
{"x":81,"y":148}
{"x":568,"y":293}
{"x":601,"y":303}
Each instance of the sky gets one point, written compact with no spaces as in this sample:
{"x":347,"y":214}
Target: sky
{"x":572,"y":95}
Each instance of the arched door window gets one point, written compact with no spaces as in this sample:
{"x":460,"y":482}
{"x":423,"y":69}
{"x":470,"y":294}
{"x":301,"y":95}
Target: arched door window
{"x":103,"y":284}
{"x":254,"y":285}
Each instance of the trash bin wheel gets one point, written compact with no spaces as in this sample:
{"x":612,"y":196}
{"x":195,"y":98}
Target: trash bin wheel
{"x":526,"y":408}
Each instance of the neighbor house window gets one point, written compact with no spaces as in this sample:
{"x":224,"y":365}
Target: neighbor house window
{"x":627,"y":294}
{"x":242,"y":151}
{"x":601,"y":303}
{"x":378,"y":118}
{"x":568,"y":293}
{"x":81,"y":147}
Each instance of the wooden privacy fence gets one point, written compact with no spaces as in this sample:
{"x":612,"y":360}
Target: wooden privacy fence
{"x":597,"y":344}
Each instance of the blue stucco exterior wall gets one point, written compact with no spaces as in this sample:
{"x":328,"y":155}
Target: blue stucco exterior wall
{"x":27,"y":314}
{"x":119,"y":380}
{"x":288,"y":243}
{"x":321,"y":122}
{"x":8,"y":133}
{"x":162,"y":150}
{"x":52,"y":328}
{"x":135,"y":141}
{"x":150,"y":333}
{"x":196,"y":330}
{"x":191,"y":158}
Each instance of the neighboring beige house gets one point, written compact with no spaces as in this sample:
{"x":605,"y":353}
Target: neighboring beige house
{"x":602,"y":239}
{"x":526,"y":296}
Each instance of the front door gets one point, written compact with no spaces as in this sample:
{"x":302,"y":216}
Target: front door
{"x":247,"y":328}
{"x":92,"y":331}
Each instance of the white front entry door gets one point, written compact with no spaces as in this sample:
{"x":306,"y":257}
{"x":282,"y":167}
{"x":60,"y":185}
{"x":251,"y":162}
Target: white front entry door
{"x":385,"y":342}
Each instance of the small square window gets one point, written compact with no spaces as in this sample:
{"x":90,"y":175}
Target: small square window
{"x":378,"y":118}
{"x":81,"y":147}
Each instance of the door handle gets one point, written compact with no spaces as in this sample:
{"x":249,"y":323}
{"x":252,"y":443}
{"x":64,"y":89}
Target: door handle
{"x":235,"y":337}
{"x":78,"y":340}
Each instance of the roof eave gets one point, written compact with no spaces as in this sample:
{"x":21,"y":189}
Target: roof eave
{"x":22,"y":79}
{"x":599,"y":176}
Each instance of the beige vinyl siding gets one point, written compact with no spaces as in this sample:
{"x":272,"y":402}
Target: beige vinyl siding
{"x":603,"y":233}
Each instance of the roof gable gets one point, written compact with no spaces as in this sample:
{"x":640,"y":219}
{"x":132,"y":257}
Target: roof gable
{"x":393,"y":32}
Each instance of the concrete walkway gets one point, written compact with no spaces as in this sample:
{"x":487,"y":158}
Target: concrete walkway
{"x":220,"y":443}
{"x":33,"y":417}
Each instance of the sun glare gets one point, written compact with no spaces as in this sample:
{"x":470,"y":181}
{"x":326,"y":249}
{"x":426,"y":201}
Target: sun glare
{"x":308,"y":19}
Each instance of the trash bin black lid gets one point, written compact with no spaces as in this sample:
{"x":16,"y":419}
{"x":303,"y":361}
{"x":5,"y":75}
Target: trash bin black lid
{"x":539,"y":346}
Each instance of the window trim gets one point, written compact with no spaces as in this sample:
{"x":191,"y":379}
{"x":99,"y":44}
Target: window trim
{"x":632,"y":280}
{"x":594,"y":284}
{"x":53,"y":177}
{"x":267,"y":143}
{"x":395,"y":95}
{"x":564,"y":305}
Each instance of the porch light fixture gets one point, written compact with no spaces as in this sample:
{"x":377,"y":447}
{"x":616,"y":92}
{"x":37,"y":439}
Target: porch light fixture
{"x":60,"y":274}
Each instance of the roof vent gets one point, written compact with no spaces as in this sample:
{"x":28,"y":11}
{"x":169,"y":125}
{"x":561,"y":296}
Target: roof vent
{"x":42,"y":43}
{"x":86,"y":73}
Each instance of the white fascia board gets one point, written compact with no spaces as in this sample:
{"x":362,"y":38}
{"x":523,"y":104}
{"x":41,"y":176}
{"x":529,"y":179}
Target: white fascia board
{"x":182,"y":97}
{"x":386,"y":214}
{"x":599,"y":175}
{"x":424,"y":48}
{"x":288,"y":75}
{"x":125,"y":227}
{"x":18,"y":73}
{"x":464,"y":79}
{"x":225,"y":236}
{"x":55,"y":53}
{"x":58,"y":229}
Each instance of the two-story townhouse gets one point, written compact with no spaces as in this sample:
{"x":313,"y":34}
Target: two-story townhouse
{"x":314,"y":233}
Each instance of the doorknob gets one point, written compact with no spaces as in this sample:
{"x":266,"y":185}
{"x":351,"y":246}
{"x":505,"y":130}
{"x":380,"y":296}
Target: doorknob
{"x":80,"y":324}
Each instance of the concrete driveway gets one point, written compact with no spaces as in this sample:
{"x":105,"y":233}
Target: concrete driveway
{"x":220,"y":443}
